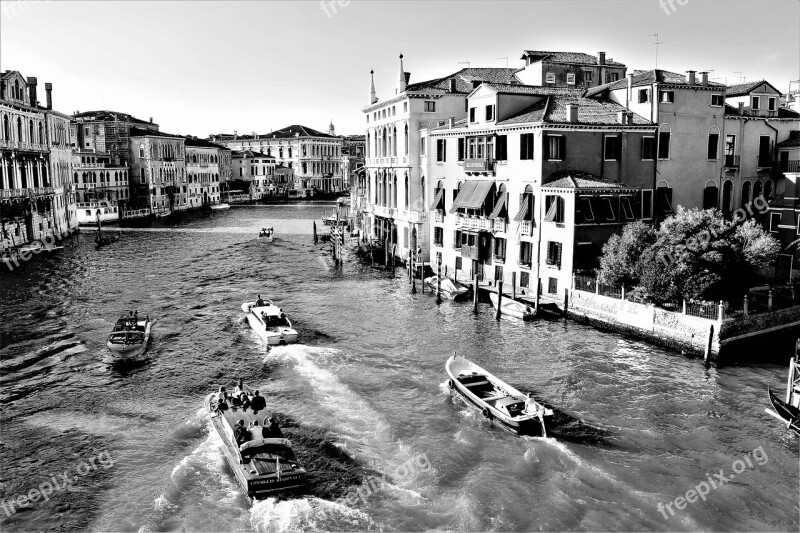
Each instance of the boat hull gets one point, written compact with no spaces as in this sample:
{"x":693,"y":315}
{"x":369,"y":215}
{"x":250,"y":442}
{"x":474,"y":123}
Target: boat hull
{"x":220,"y":207}
{"x":788,"y":413}
{"x":273,"y":336}
{"x":513,"y":308}
{"x":448,"y":289}
{"x":123,"y":353}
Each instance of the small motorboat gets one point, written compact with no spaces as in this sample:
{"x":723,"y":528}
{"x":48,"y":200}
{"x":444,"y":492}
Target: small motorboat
{"x":220,"y":207}
{"x":262,"y":466}
{"x":496,"y":399}
{"x":266,"y":234}
{"x":513,"y":308}
{"x":450,"y":288}
{"x":128,"y":339}
{"x":788,"y":411}
{"x":270,"y":322}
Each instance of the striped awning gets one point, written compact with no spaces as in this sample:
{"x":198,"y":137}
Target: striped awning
{"x":437,"y":200}
{"x":472,"y":195}
{"x":524,"y":210}
{"x":499,"y":206}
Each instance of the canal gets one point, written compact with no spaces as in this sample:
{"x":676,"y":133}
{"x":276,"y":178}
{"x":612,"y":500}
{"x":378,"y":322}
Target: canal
{"x":362,"y":396}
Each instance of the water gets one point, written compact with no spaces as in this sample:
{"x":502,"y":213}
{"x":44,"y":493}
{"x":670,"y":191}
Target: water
{"x":363,"y":396}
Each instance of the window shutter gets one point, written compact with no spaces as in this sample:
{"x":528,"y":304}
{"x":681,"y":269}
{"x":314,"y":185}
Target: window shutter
{"x":562,"y":147}
{"x":558,"y":254}
{"x":618,"y":154}
{"x":444,"y":149}
{"x":461,"y":149}
{"x":546,"y":145}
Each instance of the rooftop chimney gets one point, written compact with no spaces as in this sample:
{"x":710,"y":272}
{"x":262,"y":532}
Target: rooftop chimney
{"x":741,"y":109}
{"x":630,"y":117}
{"x":235,"y":135}
{"x":151,"y":120}
{"x":32,"y":82}
{"x":452,"y":85}
{"x":572,"y":112}
{"x":48,"y":89}
{"x":601,"y":58}
{"x":704,"y":78}
{"x":401,"y":85}
{"x":692,"y":77}
{"x":451,"y":122}
{"x":622,"y":117}
{"x":408,"y":77}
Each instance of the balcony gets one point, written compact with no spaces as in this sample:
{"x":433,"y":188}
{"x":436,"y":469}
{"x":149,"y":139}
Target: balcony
{"x":417,"y":217}
{"x":526,"y":227}
{"x":438,"y":216}
{"x":24,"y":146}
{"x":383,"y":211}
{"x":731,"y":161}
{"x":479,"y":165}
{"x":26,"y":193}
{"x":500,"y":224}
{"x":88,"y":165}
{"x":525,"y":263}
{"x":789,"y":166}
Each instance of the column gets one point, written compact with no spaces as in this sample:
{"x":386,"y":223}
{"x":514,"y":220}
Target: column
{"x":4,"y":173}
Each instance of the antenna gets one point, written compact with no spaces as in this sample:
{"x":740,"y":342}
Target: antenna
{"x":656,"y":43}
{"x":499,"y":58}
{"x":464,"y":63}
{"x":741,"y":78}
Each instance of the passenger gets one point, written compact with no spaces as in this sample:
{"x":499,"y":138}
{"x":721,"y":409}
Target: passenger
{"x":245,"y":401}
{"x":255,"y":431}
{"x":531,"y":406}
{"x":221,"y":393}
{"x":282,"y":319}
{"x":239,"y":387}
{"x":240,"y":433}
{"x":274,"y":429}
{"x":259,"y":302}
{"x":258,"y":402}
{"x":235,"y":401}
{"x":221,"y":406}
{"x":265,"y":430}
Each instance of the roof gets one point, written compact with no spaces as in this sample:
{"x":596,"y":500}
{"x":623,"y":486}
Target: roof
{"x":465,"y":77}
{"x":742,"y":89}
{"x":139,"y":132}
{"x":578,"y":179}
{"x":553,"y":110}
{"x":111,"y":116}
{"x":202,"y":143}
{"x":573,"y":58}
{"x":283,"y":133}
{"x":511,"y":88}
{"x":648,"y":77}
{"x":783,"y":112}
{"x":793,"y":140}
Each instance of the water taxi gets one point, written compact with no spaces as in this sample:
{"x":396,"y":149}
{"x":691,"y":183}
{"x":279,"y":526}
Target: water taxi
{"x":270,"y":322}
{"x":449,"y":288}
{"x":128,"y":339}
{"x":220,"y":207}
{"x":513,"y":308}
{"x":266,"y":234}
{"x":87,"y":213}
{"x":497,"y":400}
{"x":262,"y":466}
{"x":787,"y":410}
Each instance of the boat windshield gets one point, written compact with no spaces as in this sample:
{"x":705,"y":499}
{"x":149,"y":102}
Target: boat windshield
{"x":267,"y":452}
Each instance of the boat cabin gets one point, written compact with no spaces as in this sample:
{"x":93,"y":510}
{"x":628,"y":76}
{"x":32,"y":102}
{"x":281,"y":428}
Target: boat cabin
{"x":128,"y":330}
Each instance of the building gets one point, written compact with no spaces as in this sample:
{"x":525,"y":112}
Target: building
{"x":690,"y":113}
{"x":158,"y":171}
{"x":96,"y":177}
{"x":533,"y":182}
{"x":396,"y":184}
{"x":783,"y":218}
{"x":314,"y":157}
{"x":204,"y":166}
{"x":258,"y":170}
{"x":569,"y":69}
{"x":36,"y":200}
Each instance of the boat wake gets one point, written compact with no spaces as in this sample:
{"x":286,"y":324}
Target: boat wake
{"x":308,"y":514}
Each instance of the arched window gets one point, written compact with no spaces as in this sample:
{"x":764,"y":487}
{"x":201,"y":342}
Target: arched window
{"x":405,"y":189}
{"x":713,"y":143}
{"x":394,"y":190}
{"x":75,"y":178}
{"x":727,"y":197}
{"x":6,"y":128}
{"x":19,"y":129}
{"x":41,"y":134}
{"x":746,"y":193}
{"x":406,"y":140}
{"x":757,"y":189}
{"x":31,"y":138}
{"x":664,"y":137}
{"x":710,"y":196}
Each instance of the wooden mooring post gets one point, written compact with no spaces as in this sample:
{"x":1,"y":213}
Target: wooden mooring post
{"x":315,"y":232}
{"x":475,"y":294}
{"x":709,"y":343}
{"x":438,"y":278}
{"x":386,"y":252}
{"x":394,"y":255}
{"x":513,"y":285}
{"x":499,"y":299}
{"x":411,"y":272}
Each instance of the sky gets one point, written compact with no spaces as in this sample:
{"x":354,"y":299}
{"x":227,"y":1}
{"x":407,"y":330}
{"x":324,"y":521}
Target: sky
{"x":203,"y":67}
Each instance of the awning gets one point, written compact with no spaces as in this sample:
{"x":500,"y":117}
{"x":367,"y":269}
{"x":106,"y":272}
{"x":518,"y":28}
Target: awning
{"x":524,"y":211}
{"x":499,"y":206}
{"x":553,"y":211}
{"x":437,"y":200}
{"x":472,"y":195}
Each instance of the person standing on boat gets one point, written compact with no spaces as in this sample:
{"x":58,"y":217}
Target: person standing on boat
{"x":531,"y":407}
{"x":274,"y":429}
{"x":240,"y":433}
{"x":259,"y":302}
{"x":239,"y":388}
{"x":258,"y":402}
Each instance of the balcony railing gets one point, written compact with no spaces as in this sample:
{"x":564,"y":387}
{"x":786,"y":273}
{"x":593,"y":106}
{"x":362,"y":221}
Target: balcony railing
{"x":526,"y":227}
{"x":89,"y":165}
{"x":438,"y":216}
{"x":789,"y":166}
{"x":479,"y":165}
{"x":526,"y":263}
{"x":22,"y":145}
{"x":731,"y":161}
{"x":500,"y":224}
{"x":25,"y":193}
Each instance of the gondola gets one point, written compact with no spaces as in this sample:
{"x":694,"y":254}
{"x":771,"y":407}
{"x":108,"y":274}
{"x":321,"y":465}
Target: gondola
{"x":789,"y":414}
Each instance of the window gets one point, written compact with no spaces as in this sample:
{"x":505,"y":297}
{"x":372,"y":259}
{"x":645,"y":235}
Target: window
{"x":612,"y":151}
{"x":667,"y":97}
{"x":502,"y":147}
{"x":556,"y":147}
{"x":774,"y":221}
{"x":525,"y":253}
{"x":441,"y":150}
{"x":626,"y":208}
{"x":430,"y":106}
{"x":141,"y":150}
{"x":588,"y":75}
{"x":713,"y":145}
{"x":614,"y":76}
{"x":526,"y":146}
{"x":664,"y":202}
{"x":554,"y":207}
{"x":422,"y":146}
{"x":500,"y":249}
{"x":554,"y":253}
{"x":755,"y":103}
{"x":457,"y":241}
{"x":647,"y":204}
{"x":644,"y":96}
{"x":405,"y":107}
{"x":438,"y":236}
{"x":771,"y":104}
{"x":764,"y":152}
{"x":717,"y":100}
{"x":648,"y":148}
{"x":472,"y":114}
{"x":461,"y":148}
{"x":570,"y":79}
{"x":663,"y":142}
{"x":550,"y":77}
{"x":489,"y":112}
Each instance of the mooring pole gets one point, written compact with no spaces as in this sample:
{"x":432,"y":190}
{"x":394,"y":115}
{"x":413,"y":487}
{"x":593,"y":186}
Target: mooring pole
{"x":513,"y":285}
{"x":386,"y":252}
{"x":475,"y":293}
{"x":394,"y":251}
{"x":315,"y":232}
{"x":499,"y":299}
{"x":411,"y":272}
{"x":438,"y":278}
{"x":369,"y":246}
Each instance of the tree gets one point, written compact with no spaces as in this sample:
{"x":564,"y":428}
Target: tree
{"x":619,"y":264}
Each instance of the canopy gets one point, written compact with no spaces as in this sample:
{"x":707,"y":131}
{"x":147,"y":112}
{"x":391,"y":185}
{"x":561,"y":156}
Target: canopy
{"x":472,"y":195}
{"x":524,"y":210}
{"x":499,"y":206}
{"x":437,"y":199}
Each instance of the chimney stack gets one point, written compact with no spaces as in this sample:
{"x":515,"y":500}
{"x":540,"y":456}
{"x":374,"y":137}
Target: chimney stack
{"x":741,"y":109}
{"x":692,"y":77}
{"x":452,"y":87}
{"x":622,"y":117}
{"x":32,"y":82}
{"x":572,"y":113}
{"x":601,"y":58}
{"x":151,"y":120}
{"x":48,"y":90}
{"x":451,"y":122}
{"x":630,"y":117}
{"x":704,"y":78}
{"x":235,"y":135}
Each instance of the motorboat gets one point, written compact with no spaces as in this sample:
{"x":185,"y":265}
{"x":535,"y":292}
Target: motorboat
{"x":88,"y":213}
{"x":513,"y":308}
{"x":788,"y":410}
{"x":270,"y":322}
{"x":263,"y":466}
{"x":220,"y":207}
{"x":266,"y":234}
{"x":451,"y":289}
{"x":497,"y":400}
{"x":128,"y":339}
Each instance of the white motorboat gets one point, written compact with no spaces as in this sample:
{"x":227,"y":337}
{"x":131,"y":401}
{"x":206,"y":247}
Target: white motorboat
{"x":449,"y":288}
{"x":270,"y":322}
{"x":220,"y":207}
{"x":88,"y":213}
{"x":128,"y":339}
{"x":496,"y":399}
{"x":266,"y":234}
{"x":513,"y":308}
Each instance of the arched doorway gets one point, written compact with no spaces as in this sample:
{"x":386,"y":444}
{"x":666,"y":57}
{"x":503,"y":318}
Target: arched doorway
{"x":727,"y":197}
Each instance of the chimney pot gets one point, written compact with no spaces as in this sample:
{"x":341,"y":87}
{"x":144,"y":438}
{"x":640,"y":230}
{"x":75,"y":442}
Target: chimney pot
{"x":601,"y":58}
{"x":572,"y":112}
{"x":151,"y":120}
{"x":48,"y":90}
{"x":32,"y":82}
{"x":741,"y":108}
{"x":452,"y":85}
{"x":692,"y":77}
{"x":451,"y":122}
{"x":622,"y":117}
{"x":704,"y":78}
